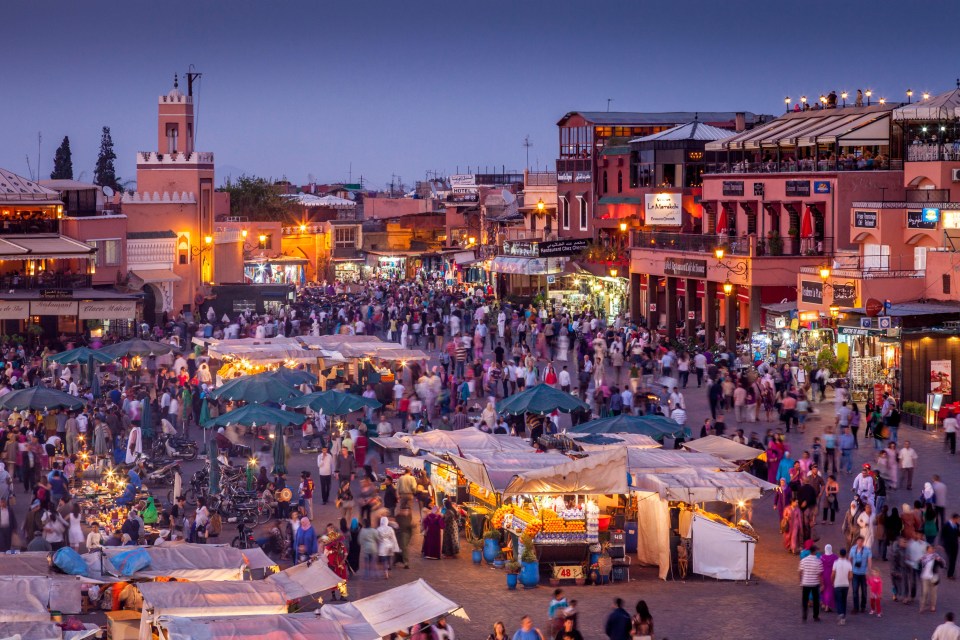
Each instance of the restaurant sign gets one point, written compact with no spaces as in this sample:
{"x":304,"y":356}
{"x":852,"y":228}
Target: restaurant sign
{"x":14,"y":309}
{"x":56,"y":293}
{"x":798,"y":188}
{"x":563,"y":247}
{"x":685,"y":268}
{"x":108,"y":310}
{"x":522,"y":248}
{"x":564,"y":176}
{"x":733,"y":187}
{"x":922,"y":220}
{"x":582,"y":176}
{"x":865,"y":219}
{"x":845,"y":295}
{"x":53,"y":308}
{"x":664,"y":209}
{"x":811,"y":292}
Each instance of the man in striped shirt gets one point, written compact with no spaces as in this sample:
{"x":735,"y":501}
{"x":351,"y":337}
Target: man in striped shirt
{"x":811,"y":574}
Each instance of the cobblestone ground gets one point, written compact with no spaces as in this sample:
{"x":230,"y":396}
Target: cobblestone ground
{"x":768,"y":607}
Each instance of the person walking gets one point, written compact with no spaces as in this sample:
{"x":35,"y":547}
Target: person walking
{"x":907,"y":458}
{"x":619,"y":625}
{"x":840,"y":575}
{"x":930,"y":565}
{"x":325,"y":473}
{"x":811,"y":577}
{"x":862,"y":560}
{"x":950,"y":427}
{"x":948,"y":630}
{"x":950,"y":539}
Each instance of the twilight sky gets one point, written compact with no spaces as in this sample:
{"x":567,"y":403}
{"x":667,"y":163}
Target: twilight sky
{"x":296,"y":87}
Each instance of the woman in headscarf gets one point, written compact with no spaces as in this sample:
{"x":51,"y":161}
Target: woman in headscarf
{"x":203,"y":374}
{"x":928,"y":495}
{"x":101,"y":438}
{"x":386,"y":545}
{"x":867,"y":522}
{"x":784,"y":467}
{"x":792,"y":536}
{"x":782,"y":498}
{"x":489,"y":416}
{"x":451,"y":529}
{"x":850,"y":528}
{"x":149,"y":514}
{"x":826,"y":594}
{"x":774,"y":454}
{"x":305,"y":541}
{"x":354,"y":545}
{"x":432,"y":524}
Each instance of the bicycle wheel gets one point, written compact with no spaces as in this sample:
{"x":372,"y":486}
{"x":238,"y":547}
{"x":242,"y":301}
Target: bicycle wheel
{"x":263,"y":513}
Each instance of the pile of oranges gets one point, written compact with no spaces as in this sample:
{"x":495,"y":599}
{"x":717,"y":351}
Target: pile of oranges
{"x":556,"y":525}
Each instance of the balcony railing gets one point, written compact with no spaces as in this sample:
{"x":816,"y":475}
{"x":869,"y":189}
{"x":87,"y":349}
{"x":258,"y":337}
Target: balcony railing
{"x":804,"y":166}
{"x":16,"y":225}
{"x":733,"y":245}
{"x":933,"y":152}
{"x":46,"y":280}
{"x":869,"y":267}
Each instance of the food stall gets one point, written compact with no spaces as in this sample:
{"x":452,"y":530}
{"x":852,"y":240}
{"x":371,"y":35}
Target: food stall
{"x":291,"y":625}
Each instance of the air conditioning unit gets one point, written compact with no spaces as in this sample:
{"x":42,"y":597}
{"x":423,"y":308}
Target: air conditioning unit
{"x":955,"y":175}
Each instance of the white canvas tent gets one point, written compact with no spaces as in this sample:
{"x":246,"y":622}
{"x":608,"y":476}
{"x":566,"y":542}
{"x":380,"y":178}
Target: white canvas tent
{"x":723,"y":448}
{"x":28,"y":563}
{"x":664,"y":460}
{"x":637,"y":440}
{"x":695,"y":485}
{"x":389,"y":612}
{"x":183,"y":560}
{"x":31,"y":598}
{"x":493,"y":470}
{"x":303,"y":580}
{"x":44,"y":631}
{"x":462,"y":440}
{"x":295,"y":626}
{"x":602,"y":473}
{"x":720,"y":551}
{"x":945,"y":106}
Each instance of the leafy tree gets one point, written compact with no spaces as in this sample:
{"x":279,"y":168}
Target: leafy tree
{"x":258,"y":199}
{"x":105,"y":174}
{"x":63,"y":162}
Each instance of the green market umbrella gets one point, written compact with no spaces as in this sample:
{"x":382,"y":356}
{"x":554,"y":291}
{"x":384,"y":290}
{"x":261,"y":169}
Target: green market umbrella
{"x":254,"y":415}
{"x":657,"y":427}
{"x":541,"y":399}
{"x":279,"y":451}
{"x":40,"y":398}
{"x":214,"y":467}
{"x":137,"y":347}
{"x":263,"y":387}
{"x":333,"y":403}
{"x":294,"y":377}
{"x":81,"y":354}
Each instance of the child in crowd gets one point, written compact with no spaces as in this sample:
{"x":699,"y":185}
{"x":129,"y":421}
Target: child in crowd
{"x":875,"y":587}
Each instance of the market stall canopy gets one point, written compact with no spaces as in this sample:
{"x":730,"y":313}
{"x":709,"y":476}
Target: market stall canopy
{"x":666,"y":460}
{"x":40,"y":399}
{"x":362,"y":347}
{"x":657,"y":427}
{"x":723,"y":448}
{"x":46,"y":631}
{"x":262,"y":387}
{"x":294,"y":377}
{"x":333,"y":403}
{"x":177,"y":560}
{"x":138,"y":347}
{"x":292,"y":626}
{"x":255,"y":415}
{"x":600,"y":441}
{"x":493,"y":470}
{"x":540,"y":399}
{"x":602,"y":473}
{"x":81,"y":355}
{"x":31,"y":598}
{"x":27,"y":563}
{"x":695,"y":485}
{"x":304,"y":580}
{"x":470,"y":439}
{"x":944,"y":107}
{"x":265,"y":350}
{"x":391,"y":611}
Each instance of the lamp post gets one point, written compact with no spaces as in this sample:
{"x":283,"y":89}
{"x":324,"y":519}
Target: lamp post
{"x":738,"y":268}
{"x":843,"y":96}
{"x":926,"y":96}
{"x":199,"y":251}
{"x":786,"y":101}
{"x":868,"y":93}
{"x":909,"y":96}
{"x":803,"y":101}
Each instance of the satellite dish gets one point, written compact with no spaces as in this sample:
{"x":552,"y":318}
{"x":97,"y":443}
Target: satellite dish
{"x":508,"y":197}
{"x":108,"y":191}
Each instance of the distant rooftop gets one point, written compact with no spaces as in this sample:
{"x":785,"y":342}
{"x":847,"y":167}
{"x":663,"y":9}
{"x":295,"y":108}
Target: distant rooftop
{"x":636,"y":118}
{"x":16,"y":189}
{"x":695,"y":130}
{"x":150,"y":235}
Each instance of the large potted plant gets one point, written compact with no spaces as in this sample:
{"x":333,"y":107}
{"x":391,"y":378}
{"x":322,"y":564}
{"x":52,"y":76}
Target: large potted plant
{"x":491,"y":545}
{"x":477,"y":555}
{"x":529,"y":566}
{"x":513,"y":568}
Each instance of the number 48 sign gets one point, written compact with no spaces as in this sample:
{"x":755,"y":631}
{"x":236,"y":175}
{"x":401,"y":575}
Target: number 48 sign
{"x":568,"y":572}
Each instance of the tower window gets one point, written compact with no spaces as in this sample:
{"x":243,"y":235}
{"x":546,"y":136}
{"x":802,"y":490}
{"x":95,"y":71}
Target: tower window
{"x":172,"y":136}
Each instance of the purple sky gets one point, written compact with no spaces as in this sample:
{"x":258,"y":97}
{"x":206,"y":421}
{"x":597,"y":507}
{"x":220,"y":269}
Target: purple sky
{"x":294,"y":88}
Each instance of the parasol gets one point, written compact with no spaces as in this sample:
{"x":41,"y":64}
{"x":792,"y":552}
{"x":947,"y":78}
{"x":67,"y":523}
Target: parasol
{"x":541,"y":399}
{"x":40,"y":398}
{"x":333,"y":403}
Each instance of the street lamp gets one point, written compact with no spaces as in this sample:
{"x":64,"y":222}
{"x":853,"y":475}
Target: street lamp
{"x":803,"y":99}
{"x":868,"y":93}
{"x":909,"y":95}
{"x":834,"y":311}
{"x":243,"y":233}
{"x":786,"y":101}
{"x":926,"y":96}
{"x":843,"y":96}
{"x":613,"y":272}
{"x":727,"y":287}
{"x":208,"y":240}
{"x":623,"y":227}
{"x":471,"y":240}
{"x":737,"y":268}
{"x":541,"y":207}
{"x":303,"y":228}
{"x":824,"y":272}
{"x":883,"y":101}
{"x":718,"y":252}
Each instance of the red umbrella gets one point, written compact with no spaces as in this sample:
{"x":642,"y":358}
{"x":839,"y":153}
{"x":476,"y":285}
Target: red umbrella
{"x":722,"y":221}
{"x":806,"y":224}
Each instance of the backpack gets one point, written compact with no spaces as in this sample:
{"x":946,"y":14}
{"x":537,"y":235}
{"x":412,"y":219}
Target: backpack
{"x":215,"y":526}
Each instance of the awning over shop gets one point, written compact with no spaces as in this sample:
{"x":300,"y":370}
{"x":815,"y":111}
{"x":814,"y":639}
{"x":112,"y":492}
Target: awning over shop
{"x":43,"y":247}
{"x":945,"y":106}
{"x":695,"y":485}
{"x":150,"y":276}
{"x":527,"y":266}
{"x":493,"y":470}
{"x":601,"y":473}
{"x":393,"y":611}
{"x":464,"y":257}
{"x":723,"y":448}
{"x":186,"y":561}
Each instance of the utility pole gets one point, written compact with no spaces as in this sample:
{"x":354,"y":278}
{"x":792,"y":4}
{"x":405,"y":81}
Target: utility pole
{"x":527,"y":144}
{"x":39,"y":139}
{"x":609,"y":100}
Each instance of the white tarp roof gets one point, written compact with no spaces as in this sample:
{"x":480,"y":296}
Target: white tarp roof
{"x":636,"y":440}
{"x":362,"y":347}
{"x":303,"y":580}
{"x":293,"y":626}
{"x":44,"y":631}
{"x":723,"y":448}
{"x":696,"y":485}
{"x":31,"y":598}
{"x":945,"y":106}
{"x":494,"y":470}
{"x":389,"y":612}
{"x":179,"y":560}
{"x":602,"y":473}
{"x":462,"y":440}
{"x":29,"y":563}
{"x":665,"y":460}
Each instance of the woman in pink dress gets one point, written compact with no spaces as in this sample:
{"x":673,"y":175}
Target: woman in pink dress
{"x":826,"y":594}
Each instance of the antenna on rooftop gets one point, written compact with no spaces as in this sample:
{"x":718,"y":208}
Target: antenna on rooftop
{"x":526,"y":143}
{"x":609,"y":100}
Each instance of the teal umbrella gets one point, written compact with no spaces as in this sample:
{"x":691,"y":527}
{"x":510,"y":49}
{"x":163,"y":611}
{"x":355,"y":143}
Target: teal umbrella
{"x":541,"y":399}
{"x":657,"y":427}
{"x":146,"y":419}
{"x":279,"y":451}
{"x":214,"y":467}
{"x":40,"y":398}
{"x":137,"y":347}
{"x":294,"y":377}
{"x":333,"y":403}
{"x":81,"y":354}
{"x":263,"y":387}
{"x":254,"y":415}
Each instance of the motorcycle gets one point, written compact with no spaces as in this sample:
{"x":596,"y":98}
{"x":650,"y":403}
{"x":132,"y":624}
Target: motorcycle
{"x":163,"y":475}
{"x":175,"y":447}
